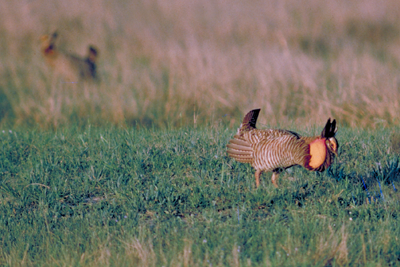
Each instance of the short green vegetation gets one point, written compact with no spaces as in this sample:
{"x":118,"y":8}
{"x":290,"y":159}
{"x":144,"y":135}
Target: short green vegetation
{"x":126,"y":197}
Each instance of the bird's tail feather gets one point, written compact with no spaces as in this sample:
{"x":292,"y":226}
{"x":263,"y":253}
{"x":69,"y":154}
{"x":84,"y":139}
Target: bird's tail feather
{"x":240,"y":150}
{"x":250,"y":120}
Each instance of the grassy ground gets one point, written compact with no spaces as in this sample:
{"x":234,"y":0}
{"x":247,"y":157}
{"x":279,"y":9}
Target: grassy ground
{"x":124,"y":197}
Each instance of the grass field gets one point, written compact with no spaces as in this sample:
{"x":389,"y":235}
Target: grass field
{"x":123,"y":197}
{"x":132,"y":171}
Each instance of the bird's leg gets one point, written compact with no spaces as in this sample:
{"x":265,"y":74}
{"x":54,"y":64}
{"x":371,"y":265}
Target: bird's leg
{"x":274,"y":178}
{"x":258,"y":173}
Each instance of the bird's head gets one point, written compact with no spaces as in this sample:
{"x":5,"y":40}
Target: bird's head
{"x":329,"y":133}
{"x":333,"y":145}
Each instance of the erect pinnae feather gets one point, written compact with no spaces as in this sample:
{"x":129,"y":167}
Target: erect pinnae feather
{"x":329,"y":129}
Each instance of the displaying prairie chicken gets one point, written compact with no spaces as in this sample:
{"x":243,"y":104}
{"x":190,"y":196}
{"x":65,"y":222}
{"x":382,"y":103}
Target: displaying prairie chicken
{"x":275,"y":150}
{"x":71,"y":67}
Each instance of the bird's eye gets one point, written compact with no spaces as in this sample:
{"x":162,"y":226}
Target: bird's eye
{"x":328,"y":144}
{"x":331,"y":143}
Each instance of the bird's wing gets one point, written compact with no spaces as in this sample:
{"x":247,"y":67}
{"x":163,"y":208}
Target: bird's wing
{"x":241,"y":147}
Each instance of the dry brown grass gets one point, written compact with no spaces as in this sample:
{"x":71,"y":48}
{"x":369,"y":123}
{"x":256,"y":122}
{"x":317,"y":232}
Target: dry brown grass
{"x":168,"y":62}
{"x":333,"y":248}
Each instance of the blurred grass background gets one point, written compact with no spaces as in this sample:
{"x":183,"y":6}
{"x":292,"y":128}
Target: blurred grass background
{"x":195,"y":62}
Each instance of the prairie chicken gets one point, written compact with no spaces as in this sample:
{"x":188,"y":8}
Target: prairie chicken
{"x":71,"y":67}
{"x":275,"y":150}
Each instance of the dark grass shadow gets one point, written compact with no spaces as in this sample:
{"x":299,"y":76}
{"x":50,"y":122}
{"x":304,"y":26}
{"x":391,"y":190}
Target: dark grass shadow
{"x":371,"y":183}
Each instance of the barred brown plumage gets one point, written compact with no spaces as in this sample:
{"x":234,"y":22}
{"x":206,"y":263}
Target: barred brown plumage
{"x":275,"y":150}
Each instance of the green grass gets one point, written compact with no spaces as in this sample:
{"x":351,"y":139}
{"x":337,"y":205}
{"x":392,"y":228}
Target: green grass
{"x":126,"y":197}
